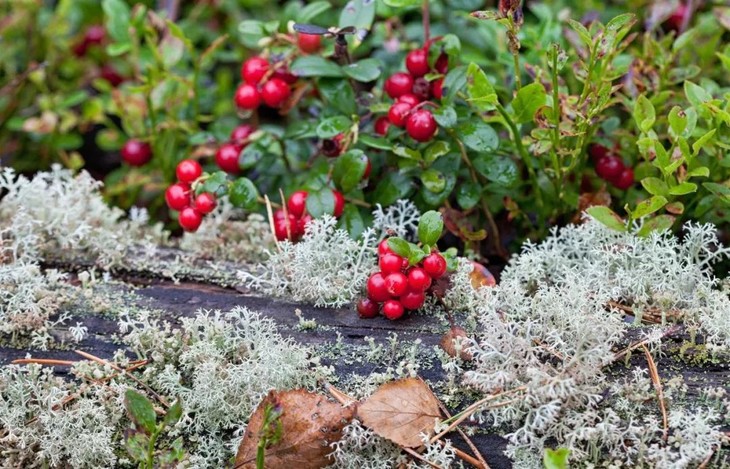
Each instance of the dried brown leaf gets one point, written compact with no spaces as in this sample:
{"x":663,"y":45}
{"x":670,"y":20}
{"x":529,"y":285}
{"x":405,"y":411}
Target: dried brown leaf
{"x":449,"y":343}
{"x":401,"y":411}
{"x":309,"y":423}
{"x":481,"y":276}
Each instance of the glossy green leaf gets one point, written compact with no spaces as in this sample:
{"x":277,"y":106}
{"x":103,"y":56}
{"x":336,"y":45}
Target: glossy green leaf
{"x":358,"y":13}
{"x":406,"y":152}
{"x":400,"y":246}
{"x":216,"y":183}
{"x":352,"y":221}
{"x":644,"y":114}
{"x":607,"y":217}
{"x":468,"y":194}
{"x":430,"y":227}
{"x":402,"y":3}
{"x":379,"y":143}
{"x":478,"y":135}
{"x":649,"y":206}
{"x":529,"y":99}
{"x":333,"y":126}
{"x":655,"y":186}
{"x":173,"y":415}
{"x":445,"y":116}
{"x":312,"y":10}
{"x":394,"y":186}
{"x":481,"y":92}
{"x":683,"y":188}
{"x":243,"y":193}
{"x":498,"y":169}
{"x":349,"y":170}
{"x":657,"y":224}
{"x":140,"y":411}
{"x":363,"y":70}
{"x":117,"y":16}
{"x":321,"y":202}
{"x":339,"y":94}
{"x":435,"y":150}
{"x":433,"y":180}
{"x":315,"y":66}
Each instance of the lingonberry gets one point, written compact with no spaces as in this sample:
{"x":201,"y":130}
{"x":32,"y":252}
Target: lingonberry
{"x":398,"y":113}
{"x":95,"y":34}
{"x":247,"y":97}
{"x":241,"y":132}
{"x":398,"y":84}
{"x":413,"y":299}
{"x":376,"y":288}
{"x":368,"y":169}
{"x":676,"y":20}
{"x":417,"y":62}
{"x":442,"y":63}
{"x":339,"y":203}
{"x":418,"y":279}
{"x":393,"y":309}
{"x":624,"y":180}
{"x":177,"y":196}
{"x":303,"y":222}
{"x":390,"y":263}
{"x":435,"y":265}
{"x":227,"y":157}
{"x":421,"y":125}
{"x":136,"y":153}
{"x":421,"y":88}
{"x":382,"y":124}
{"x":188,"y":171}
{"x":283,"y":73}
{"x":409,"y":98}
{"x":383,"y":248}
{"x":396,"y":283}
{"x":254,"y":69}
{"x":598,"y":151}
{"x":110,"y":74}
{"x":285,"y":226}
{"x":437,"y":88}
{"x":275,"y":92}
{"x":609,"y":167}
{"x":205,"y":203}
{"x":297,"y":203}
{"x":405,"y":264}
{"x":332,"y":147}
{"x":190,"y":219}
{"x":309,"y":43}
{"x":367,"y":308}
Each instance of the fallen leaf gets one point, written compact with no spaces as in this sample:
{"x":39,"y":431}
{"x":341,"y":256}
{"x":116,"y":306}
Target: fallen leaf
{"x":309,"y":424}
{"x":401,"y":411}
{"x":448,"y":343}
{"x":481,"y":276}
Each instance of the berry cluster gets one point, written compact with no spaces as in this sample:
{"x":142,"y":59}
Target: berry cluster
{"x":136,"y":152}
{"x":260,"y":84}
{"x":93,"y":36}
{"x":291,"y":223}
{"x":226,"y":157}
{"x":398,"y":286}
{"x":180,"y":196}
{"x":411,"y":91}
{"x":610,"y":168}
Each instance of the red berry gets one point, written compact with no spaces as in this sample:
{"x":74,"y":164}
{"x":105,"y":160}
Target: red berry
{"x":332,"y":147}
{"x":177,"y":196}
{"x":609,"y":167}
{"x":398,"y":113}
{"x":442,"y":63}
{"x":435,"y":265}
{"x":381,"y":125}
{"x":284,"y":74}
{"x":396,"y":284}
{"x":398,"y":84}
{"x":190,"y":219}
{"x":303,"y":222}
{"x":421,"y":125}
{"x":421,"y":88}
{"x":383,"y":248}
{"x":227,"y":158}
{"x":80,"y":49}
{"x":242,"y":132}
{"x":188,"y":171}
{"x":390,"y":263}
{"x":95,"y":35}
{"x":367,"y":308}
{"x":368,"y":169}
{"x":376,"y":288}
{"x":284,"y":226}
{"x":247,"y":97}
{"x":405,"y":264}
{"x":297,"y":203}
{"x":624,"y":180}
{"x":309,"y":43}
{"x":339,"y":203}
{"x":275,"y":92}
{"x":418,"y":279}
{"x":409,"y":98}
{"x":413,"y":300}
{"x":205,"y":203}
{"x":254,"y":69}
{"x":417,"y":62}
{"x":111,"y":75}
{"x":598,"y":151}
{"x":437,"y":88}
{"x":393,"y":309}
{"x":675,"y":21}
{"x":136,"y":153}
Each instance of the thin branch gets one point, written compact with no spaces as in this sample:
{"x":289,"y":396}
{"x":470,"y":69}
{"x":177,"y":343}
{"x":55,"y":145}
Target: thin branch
{"x":480,"y":459}
{"x":421,"y":458}
{"x":654,"y":373}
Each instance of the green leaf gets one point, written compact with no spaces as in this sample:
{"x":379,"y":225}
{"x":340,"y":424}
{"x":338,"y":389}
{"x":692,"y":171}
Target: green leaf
{"x":435,"y":150}
{"x":315,"y":66}
{"x":243,"y":193}
{"x":405,"y":152}
{"x":321,"y":202}
{"x":702,"y":171}
{"x":701,"y":142}
{"x":251,"y":155}
{"x":312,"y":10}
{"x":400,"y":247}
{"x":655,"y":186}
{"x":723,"y":192}
{"x":445,"y":116}
{"x":364,"y":70}
{"x":141,"y":411}
{"x":173,"y":415}
{"x":352,"y":220}
{"x":379,"y":143}
{"x":677,"y":120}
{"x":498,"y":169}
{"x":251,"y":32}
{"x":430,"y":227}
{"x":658,"y":224}
{"x":339,"y":94}
{"x":394,"y":186}
{"x":556,"y":459}
{"x":683,"y":188}
{"x":648,"y":207}
{"x":480,"y":90}
{"x":402,"y":3}
{"x":529,"y":99}
{"x":468,"y":194}
{"x":620,"y":21}
{"x":583,"y":33}
{"x":333,"y":126}
{"x":117,"y":17}
{"x":171,"y":50}
{"x":644,"y":114}
{"x":607,"y":217}
{"x":696,"y":94}
{"x":118,"y":48}
{"x":433,"y":180}
{"x":349,"y":170}
{"x":136,"y":446}
{"x":358,"y":13}
{"x":216,"y":184}
{"x":478,"y":135}
{"x":453,"y":83}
